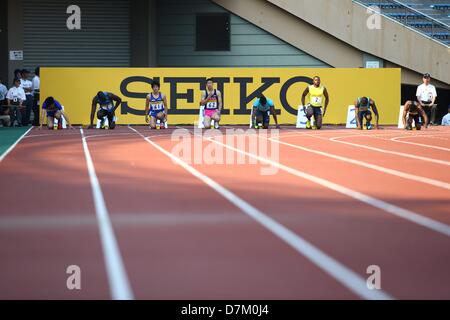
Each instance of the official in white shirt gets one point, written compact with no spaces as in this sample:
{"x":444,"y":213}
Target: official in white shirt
{"x":27,"y":86}
{"x":36,"y":81}
{"x":16,"y":96}
{"x":36,"y":96}
{"x":426,"y":97}
{"x":446,"y":118}
{"x":3,"y":92}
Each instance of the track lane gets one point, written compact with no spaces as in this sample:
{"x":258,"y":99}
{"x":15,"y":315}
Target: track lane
{"x":405,"y":151}
{"x":47,"y":176}
{"x":354,"y":233}
{"x":423,"y":198}
{"x":408,"y":165}
{"x":225,"y":255}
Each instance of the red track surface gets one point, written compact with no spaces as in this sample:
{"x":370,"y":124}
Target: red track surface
{"x":180,"y":239}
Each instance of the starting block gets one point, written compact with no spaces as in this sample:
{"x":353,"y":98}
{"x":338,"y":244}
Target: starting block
{"x":302,"y":119}
{"x":400,"y":119}
{"x":105,"y":122}
{"x":201,"y":119}
{"x":158,"y":124}
{"x":63,"y":122}
{"x":351,"y":118}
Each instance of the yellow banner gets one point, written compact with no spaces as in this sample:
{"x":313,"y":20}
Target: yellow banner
{"x":75,"y":88}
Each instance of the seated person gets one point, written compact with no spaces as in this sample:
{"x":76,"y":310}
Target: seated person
{"x":16,"y":97}
{"x":5,"y":119}
{"x":262,"y":109}
{"x":52,"y":109}
{"x":446,"y":118}
{"x":107,"y":109}
{"x":426,"y":96}
{"x":363,"y":110}
{"x":412,"y":112}
{"x":3,"y":92}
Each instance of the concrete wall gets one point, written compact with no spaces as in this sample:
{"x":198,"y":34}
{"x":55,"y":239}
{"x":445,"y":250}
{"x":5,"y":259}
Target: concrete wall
{"x":347,"y":21}
{"x":15,"y":35}
{"x":251,"y":46}
{"x":4,"y":41}
{"x":143,"y":33}
{"x":296,"y":32}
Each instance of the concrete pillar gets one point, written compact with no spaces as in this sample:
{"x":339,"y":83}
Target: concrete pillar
{"x":15,"y":35}
{"x":143,"y":33}
{"x":4,"y":42}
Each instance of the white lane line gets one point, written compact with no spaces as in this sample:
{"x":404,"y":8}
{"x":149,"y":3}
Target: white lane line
{"x":393,"y":172}
{"x":53,"y":135}
{"x":117,"y":277}
{"x":3,"y":156}
{"x":396,"y":139}
{"x":107,"y":135}
{"x":332,"y":267}
{"x":402,"y":154}
{"x":377,"y":203}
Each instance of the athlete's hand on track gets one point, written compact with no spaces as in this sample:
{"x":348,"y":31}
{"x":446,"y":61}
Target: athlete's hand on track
{"x":146,"y":119}
{"x":277,"y":126}
{"x":40,"y":127}
{"x":90,"y":126}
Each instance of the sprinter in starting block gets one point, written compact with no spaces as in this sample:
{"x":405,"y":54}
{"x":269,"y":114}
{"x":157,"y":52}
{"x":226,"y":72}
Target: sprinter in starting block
{"x":262,"y":109}
{"x":156,"y":108}
{"x":318,"y":98}
{"x":412,"y":112}
{"x":107,"y":109}
{"x":53,"y":110}
{"x":212,"y":105}
{"x":363,"y":110}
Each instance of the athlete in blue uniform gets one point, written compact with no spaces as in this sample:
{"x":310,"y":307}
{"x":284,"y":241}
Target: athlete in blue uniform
{"x":262,"y":108}
{"x":155,"y":106}
{"x":363,"y":107}
{"x":107,"y":109}
{"x":52,"y":109}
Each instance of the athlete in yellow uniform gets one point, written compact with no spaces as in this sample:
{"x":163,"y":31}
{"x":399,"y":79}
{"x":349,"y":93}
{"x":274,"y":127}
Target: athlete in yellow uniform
{"x":318,"y":95}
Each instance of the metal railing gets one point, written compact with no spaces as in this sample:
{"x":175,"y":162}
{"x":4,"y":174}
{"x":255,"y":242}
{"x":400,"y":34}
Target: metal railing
{"x":414,"y":19}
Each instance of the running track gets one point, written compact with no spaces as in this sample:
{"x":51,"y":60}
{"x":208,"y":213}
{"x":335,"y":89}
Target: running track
{"x":142,"y":224}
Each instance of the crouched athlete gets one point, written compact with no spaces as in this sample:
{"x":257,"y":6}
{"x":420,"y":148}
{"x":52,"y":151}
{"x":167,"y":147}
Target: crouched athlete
{"x":412,"y":112}
{"x":363,"y":109}
{"x":107,"y":108}
{"x":156,"y":106}
{"x":262,"y":109}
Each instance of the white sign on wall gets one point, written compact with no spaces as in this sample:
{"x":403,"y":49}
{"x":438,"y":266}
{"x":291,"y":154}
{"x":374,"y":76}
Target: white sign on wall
{"x":16,"y":55}
{"x":372,"y":64}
